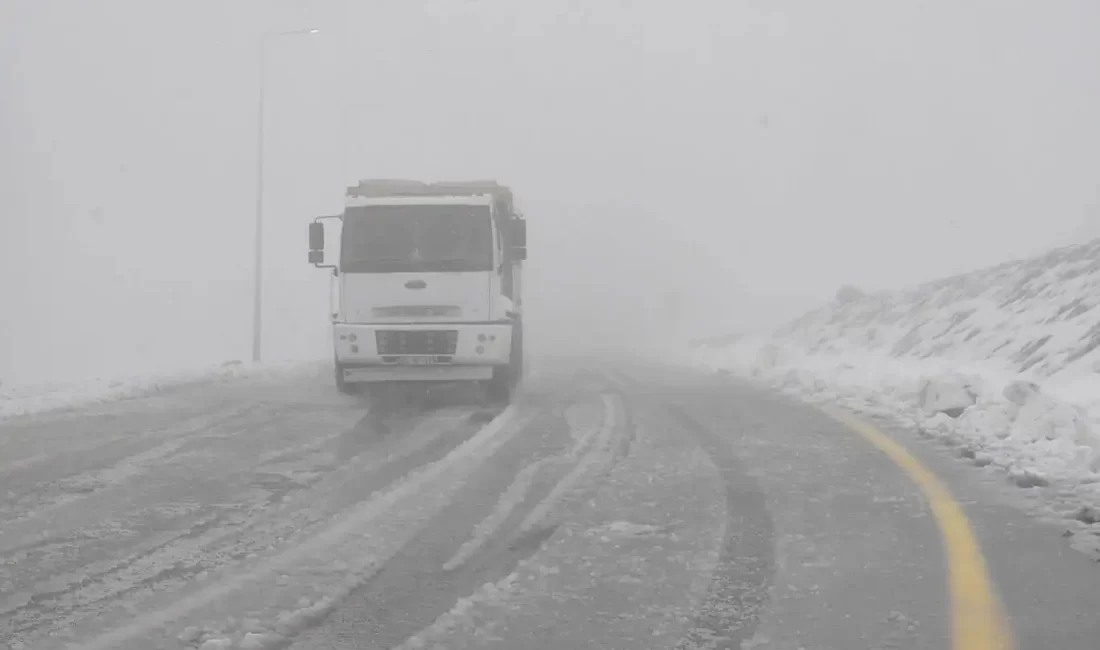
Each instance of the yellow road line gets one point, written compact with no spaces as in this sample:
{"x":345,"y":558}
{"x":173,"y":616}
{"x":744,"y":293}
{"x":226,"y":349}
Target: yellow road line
{"x":977,"y":620}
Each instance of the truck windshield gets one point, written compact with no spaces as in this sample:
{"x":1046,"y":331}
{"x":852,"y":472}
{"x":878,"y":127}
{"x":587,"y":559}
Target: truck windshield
{"x":416,"y":238}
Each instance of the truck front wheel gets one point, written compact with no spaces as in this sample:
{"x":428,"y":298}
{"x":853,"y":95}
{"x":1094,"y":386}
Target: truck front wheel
{"x":499,"y":388}
{"x":517,"y":354}
{"x":507,"y":378}
{"x":341,"y":384}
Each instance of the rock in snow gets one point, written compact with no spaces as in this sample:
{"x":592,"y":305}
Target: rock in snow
{"x":848,"y":293}
{"x":1020,"y":392}
{"x":190,"y":634}
{"x":949,"y":395}
{"x":253,"y":641}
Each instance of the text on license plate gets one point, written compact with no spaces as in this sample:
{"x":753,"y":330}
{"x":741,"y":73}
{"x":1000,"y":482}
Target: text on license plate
{"x":417,"y":361}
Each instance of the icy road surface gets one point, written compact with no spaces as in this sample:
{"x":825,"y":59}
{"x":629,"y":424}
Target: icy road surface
{"x":618,"y":506}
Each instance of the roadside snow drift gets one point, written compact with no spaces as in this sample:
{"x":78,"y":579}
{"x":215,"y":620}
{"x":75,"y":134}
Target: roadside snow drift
{"x":1005,"y":361}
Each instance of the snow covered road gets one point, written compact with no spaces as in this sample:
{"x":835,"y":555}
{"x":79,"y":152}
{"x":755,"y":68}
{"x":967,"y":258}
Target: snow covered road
{"x":622,"y":506}
{"x":107,"y":510}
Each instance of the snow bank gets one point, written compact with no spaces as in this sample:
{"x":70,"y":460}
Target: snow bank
{"x":1004,"y":361}
{"x":1004,"y":420}
{"x":33,"y":399}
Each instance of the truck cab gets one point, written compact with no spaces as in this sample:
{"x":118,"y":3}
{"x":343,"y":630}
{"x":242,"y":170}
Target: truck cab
{"x":428,"y":284}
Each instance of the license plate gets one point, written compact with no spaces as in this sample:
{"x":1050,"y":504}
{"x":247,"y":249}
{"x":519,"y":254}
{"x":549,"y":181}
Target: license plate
{"x":416,"y":361}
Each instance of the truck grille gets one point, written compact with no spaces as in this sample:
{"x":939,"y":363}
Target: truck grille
{"x":397,"y":342}
{"x":417,"y":311}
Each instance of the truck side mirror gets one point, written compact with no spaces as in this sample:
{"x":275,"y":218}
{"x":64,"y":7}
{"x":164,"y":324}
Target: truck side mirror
{"x":316,"y":237}
{"x":317,"y":257}
{"x":517,"y":235}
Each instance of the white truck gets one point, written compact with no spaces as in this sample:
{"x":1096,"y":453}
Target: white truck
{"x":429,"y":288}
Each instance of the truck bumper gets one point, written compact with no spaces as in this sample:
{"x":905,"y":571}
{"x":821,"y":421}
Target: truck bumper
{"x":364,"y":374}
{"x":422,"y":352}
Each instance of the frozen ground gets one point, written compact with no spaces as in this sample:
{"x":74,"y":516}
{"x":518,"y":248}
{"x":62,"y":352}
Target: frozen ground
{"x":239,"y":513}
{"x":633,"y":552}
{"x":650,"y":507}
{"x":1004,"y":362}
{"x":32,"y":399}
{"x":149,"y":517}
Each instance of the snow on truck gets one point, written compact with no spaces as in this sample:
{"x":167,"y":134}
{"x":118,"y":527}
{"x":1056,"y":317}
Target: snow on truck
{"x":428,"y":280}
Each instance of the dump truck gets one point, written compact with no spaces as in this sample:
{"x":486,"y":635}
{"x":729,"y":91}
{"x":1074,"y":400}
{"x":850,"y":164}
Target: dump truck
{"x":427,"y":285}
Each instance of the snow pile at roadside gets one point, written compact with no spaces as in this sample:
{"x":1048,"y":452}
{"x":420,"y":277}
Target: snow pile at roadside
{"x":1005,"y":361}
{"x":33,"y":399}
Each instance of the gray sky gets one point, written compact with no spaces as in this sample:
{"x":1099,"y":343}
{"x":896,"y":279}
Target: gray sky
{"x":752,"y":156}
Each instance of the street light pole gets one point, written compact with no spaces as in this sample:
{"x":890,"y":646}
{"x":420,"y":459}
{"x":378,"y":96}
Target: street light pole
{"x":258,"y":287}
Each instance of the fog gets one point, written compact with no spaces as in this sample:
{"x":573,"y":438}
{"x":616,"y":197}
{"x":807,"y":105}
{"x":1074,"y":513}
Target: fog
{"x":739,"y":160}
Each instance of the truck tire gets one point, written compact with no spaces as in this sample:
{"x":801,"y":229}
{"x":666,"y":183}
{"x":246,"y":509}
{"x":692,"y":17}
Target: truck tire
{"x":499,"y":388}
{"x":380,"y":395}
{"x":516,"y":366}
{"x":507,"y":378}
{"x":341,"y":385}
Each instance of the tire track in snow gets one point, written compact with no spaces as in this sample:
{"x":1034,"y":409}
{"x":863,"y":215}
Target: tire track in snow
{"x":739,"y":590}
{"x":80,"y":486}
{"x":600,"y":454}
{"x":229,"y":535}
{"x":512,"y":498}
{"x":56,"y":575}
{"x":516,"y":493}
{"x":740,"y":587}
{"x":86,"y":498}
{"x":410,"y":589}
{"x":588,"y":583}
{"x":75,"y":444}
{"x":341,"y":540}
